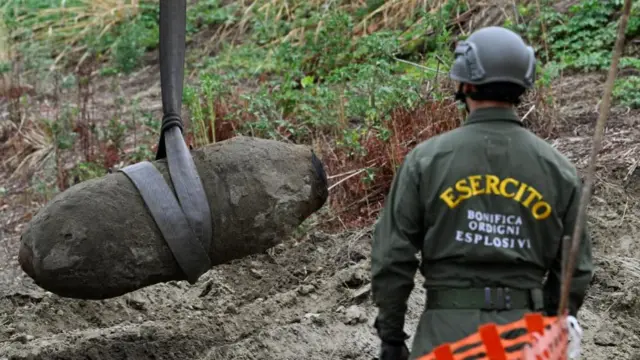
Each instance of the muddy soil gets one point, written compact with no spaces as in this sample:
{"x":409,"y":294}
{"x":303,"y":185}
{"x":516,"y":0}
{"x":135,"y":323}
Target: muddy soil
{"x":308,"y":297}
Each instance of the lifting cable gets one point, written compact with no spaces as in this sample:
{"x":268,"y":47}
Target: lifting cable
{"x":185,"y":222}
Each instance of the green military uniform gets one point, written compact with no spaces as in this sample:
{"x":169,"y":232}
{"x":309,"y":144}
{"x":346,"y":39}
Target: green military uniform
{"x":487,"y":206}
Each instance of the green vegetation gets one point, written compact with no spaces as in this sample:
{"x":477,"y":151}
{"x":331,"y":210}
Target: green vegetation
{"x":360,"y":81}
{"x":50,"y":33}
{"x":582,"y":39}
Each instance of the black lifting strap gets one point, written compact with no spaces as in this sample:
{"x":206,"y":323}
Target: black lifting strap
{"x":185,"y":222}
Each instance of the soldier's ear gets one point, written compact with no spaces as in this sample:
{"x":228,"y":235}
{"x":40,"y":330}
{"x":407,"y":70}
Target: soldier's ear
{"x":468,"y":88}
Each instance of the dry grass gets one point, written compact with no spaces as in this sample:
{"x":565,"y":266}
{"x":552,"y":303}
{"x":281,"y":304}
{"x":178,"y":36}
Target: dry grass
{"x":631,"y":265}
{"x":272,"y":10}
{"x":360,"y":182}
{"x":26,"y":151}
{"x":478,"y":14}
{"x":539,"y":115}
{"x":7,"y":129}
{"x":391,"y":15}
{"x":66,"y":26}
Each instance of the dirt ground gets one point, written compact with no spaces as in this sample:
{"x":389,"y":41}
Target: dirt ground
{"x":308,"y":298}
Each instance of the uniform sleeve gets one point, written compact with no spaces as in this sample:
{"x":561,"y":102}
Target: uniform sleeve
{"x":396,"y":241}
{"x":583,"y":270}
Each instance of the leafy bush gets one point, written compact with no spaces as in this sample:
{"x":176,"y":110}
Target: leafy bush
{"x":627,"y":91}
{"x":581,"y":39}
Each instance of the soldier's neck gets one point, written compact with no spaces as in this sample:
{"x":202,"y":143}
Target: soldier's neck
{"x":482,"y":104}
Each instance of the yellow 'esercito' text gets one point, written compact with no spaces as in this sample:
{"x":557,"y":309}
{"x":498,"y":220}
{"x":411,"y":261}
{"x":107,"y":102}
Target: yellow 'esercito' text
{"x":509,"y":188}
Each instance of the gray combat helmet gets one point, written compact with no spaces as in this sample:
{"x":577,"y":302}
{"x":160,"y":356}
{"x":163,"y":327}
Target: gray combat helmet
{"x":494,"y":54}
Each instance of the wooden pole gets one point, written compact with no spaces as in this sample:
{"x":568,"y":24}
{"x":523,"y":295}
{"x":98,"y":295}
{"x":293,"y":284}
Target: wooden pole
{"x":595,"y":149}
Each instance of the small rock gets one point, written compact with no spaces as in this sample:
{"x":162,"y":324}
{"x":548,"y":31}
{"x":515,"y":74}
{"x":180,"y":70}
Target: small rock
{"x":299,"y":272}
{"x":314,"y":318}
{"x":21,"y":338}
{"x":148,"y":332}
{"x":136,"y":302}
{"x":256,"y":273}
{"x":9,"y":331}
{"x":362,"y":292}
{"x":60,"y":313}
{"x":306,"y":289}
{"x":353,"y":278}
{"x":207,"y":288}
{"x":354,"y":315}
{"x":287,"y":299}
{"x":198,"y":305}
{"x":341,"y":309}
{"x":231,"y":309}
{"x":606,"y":336}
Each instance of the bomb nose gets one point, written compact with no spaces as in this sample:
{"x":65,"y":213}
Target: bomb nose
{"x":322,"y":190}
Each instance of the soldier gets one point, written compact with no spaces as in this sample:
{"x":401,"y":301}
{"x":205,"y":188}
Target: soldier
{"x":486,"y":205}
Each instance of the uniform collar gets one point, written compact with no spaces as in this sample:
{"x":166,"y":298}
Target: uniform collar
{"x":493,"y":114}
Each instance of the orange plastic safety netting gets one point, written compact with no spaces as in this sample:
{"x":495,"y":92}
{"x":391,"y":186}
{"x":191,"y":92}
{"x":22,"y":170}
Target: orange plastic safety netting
{"x":542,"y":338}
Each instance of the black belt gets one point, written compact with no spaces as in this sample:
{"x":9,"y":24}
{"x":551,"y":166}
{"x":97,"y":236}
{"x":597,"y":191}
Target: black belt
{"x":485,"y":298}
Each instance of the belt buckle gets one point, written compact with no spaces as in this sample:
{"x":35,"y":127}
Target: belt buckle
{"x":500,"y":301}
{"x":507,"y":298}
{"x":503,"y":298}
